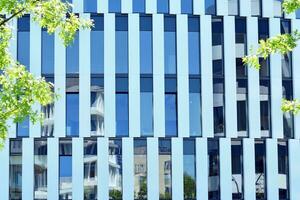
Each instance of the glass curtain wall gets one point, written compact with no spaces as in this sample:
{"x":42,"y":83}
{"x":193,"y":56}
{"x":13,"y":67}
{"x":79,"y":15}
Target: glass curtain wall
{"x":40,"y":169}
{"x":15,"y":169}
{"x":90,"y":181}
{"x":65,"y":169}
{"x":165,"y":169}
{"x":237,"y":169}
{"x":189,"y":169}
{"x":260,"y":169}
{"x":213,"y":169}
{"x":283,"y":170}
{"x":140,"y":169}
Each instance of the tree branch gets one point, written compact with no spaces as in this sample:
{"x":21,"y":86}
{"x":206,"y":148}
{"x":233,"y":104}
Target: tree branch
{"x":11,"y":17}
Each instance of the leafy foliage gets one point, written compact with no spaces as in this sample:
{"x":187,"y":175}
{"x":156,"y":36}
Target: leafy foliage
{"x":19,"y":89}
{"x":282,"y":44}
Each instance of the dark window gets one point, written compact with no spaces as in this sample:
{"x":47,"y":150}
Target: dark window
{"x":47,"y":53}
{"x":72,"y":106}
{"x":114,"y":6}
{"x":162,"y":6}
{"x":15,"y":170}
{"x":189,"y":169}
{"x":72,"y":53}
{"x":140,"y":169}
{"x":286,"y":59}
{"x":187,"y":6}
{"x":237,"y":169}
{"x":260,"y":169}
{"x":213,"y":169}
{"x":217,"y":43}
{"x":65,"y":169}
{"x":40,"y":169}
{"x":138,"y":6}
{"x":97,"y":45}
{"x":146,"y":51}
{"x":210,"y":7}
{"x":219,"y":106}
{"x":23,"y":42}
{"x":90,"y":6}
{"x":97,"y":106}
{"x":283,"y":170}
{"x":122,"y":44}
{"x":90,"y":169}
{"x":165,"y":169}
{"x":170,"y":44}
{"x":194,"y":45}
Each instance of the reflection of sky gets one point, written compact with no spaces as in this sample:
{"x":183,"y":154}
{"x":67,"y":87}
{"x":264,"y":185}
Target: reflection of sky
{"x":189,"y":165}
{"x":65,"y":166}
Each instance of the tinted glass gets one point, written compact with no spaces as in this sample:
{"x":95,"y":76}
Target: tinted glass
{"x":138,"y":6}
{"x":170,"y":45}
{"x":90,"y":169}
{"x":165,"y":169}
{"x":187,"y":6}
{"x":47,"y":53}
{"x":72,"y":53}
{"x":171,"y":114}
{"x":260,"y":167}
{"x":217,"y":46}
{"x":213,"y":169}
{"x":90,"y":6}
{"x":15,"y":170}
{"x":140,"y":169}
{"x":283,"y":170}
{"x":298,"y":14}
{"x":237,"y":169}
{"x":23,"y":128}
{"x":97,"y":106}
{"x":40,"y":169}
{"x":194,"y":45}
{"x":146,"y":50}
{"x":195,"y":113}
{"x":162,"y":6}
{"x":47,"y":127}
{"x":218,"y":98}
{"x":97,"y":45}
{"x":23,"y":42}
{"x":189,"y":169}
{"x":286,"y":59}
{"x":122,"y":114}
{"x":121,"y":44}
{"x":65,"y":169}
{"x":115,"y":169}
{"x":210,"y":7}
{"x":146,"y":114}
{"x":114,"y":6}
{"x":72,"y":114}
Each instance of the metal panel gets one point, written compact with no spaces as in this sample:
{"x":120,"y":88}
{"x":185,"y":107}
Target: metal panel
{"x":199,"y":7}
{"x":4,"y":171}
{"x":152,"y":169}
{"x":102,"y":6}
{"x":60,"y":87}
{"x":109,"y":75}
{"x":134,"y":75}
{"x":77,"y":6}
{"x":222,"y":7}
{"x":151,"y":6}
{"x":84,"y":81}
{"x":253,"y":81}
{"x":182,"y":76}
{"x":128,"y":169}
{"x":175,"y":6}
{"x":177,"y":168}
{"x":225,"y":168}
{"x":103,"y":170}
{"x":249,"y":169}
{"x":77,"y":168}
{"x":206,"y":77}
{"x":201,"y":169}
{"x":27,"y":168}
{"x":294,"y":173}
{"x":245,"y":7}
{"x":230,"y":77}
{"x":276,"y":84}
{"x":53,"y":168}
{"x":126,"y":6}
{"x":267,"y":8}
{"x":272,"y":169}
{"x":158,"y":76}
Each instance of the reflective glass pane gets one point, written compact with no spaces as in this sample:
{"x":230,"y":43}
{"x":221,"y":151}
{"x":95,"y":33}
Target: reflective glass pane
{"x":194,"y":45}
{"x":138,"y":6}
{"x":23,"y":128}
{"x":23,"y":42}
{"x":140,"y":169}
{"x":217,"y":46}
{"x":97,"y":45}
{"x":162,"y":6}
{"x":15,"y":170}
{"x":218,"y":98}
{"x":165,"y":169}
{"x":90,"y":169}
{"x":237,"y":169}
{"x":171,"y":114}
{"x":122,"y":114}
{"x":298,"y":14}
{"x":47,"y":53}
{"x":97,"y":106}
{"x":283,"y":170}
{"x":90,"y":6}
{"x":65,"y":169}
{"x":195,"y":114}
{"x":260,"y":169}
{"x":187,"y":6}
{"x":146,"y":113}
{"x":213,"y":169}
{"x":189,"y":169}
{"x":115,"y":169}
{"x":47,"y":127}
{"x":114,"y":6}
{"x":40,"y":169}
{"x":170,"y":45}
{"x":242,"y":118}
{"x":210,"y":7}
{"x":72,"y":114}
{"x":121,"y":44}
{"x":146,"y":50}
{"x":72,"y":54}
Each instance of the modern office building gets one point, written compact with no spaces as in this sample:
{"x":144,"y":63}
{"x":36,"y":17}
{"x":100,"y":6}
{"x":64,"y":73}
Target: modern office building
{"x":156,"y":104}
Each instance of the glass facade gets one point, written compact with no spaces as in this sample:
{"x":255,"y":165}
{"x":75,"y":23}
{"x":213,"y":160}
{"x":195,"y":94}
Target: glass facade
{"x":195,"y":107}
{"x":146,"y":47}
{"x":170,"y":45}
{"x":213,"y":169}
{"x":47,"y":53}
{"x":277,"y":8}
{"x":210,"y":7}
{"x":256,"y":7}
{"x":23,"y":128}
{"x":140,"y":169}
{"x":162,"y":6}
{"x":233,"y":7}
{"x":165,"y":169}
{"x":189,"y":169}
{"x":97,"y":106}
{"x":146,"y":109}
{"x":97,"y":44}
{"x":72,"y":56}
{"x":90,"y":6}
{"x":40,"y":169}
{"x":90,"y":181}
{"x":194,"y":45}
{"x":121,"y":44}
{"x":65,"y":169}
{"x":138,"y":6}
{"x":47,"y":127}
{"x":72,"y":107}
{"x":15,"y":169}
{"x":187,"y":6}
{"x":260,"y":169}
{"x":283,"y":170}
{"x":122,"y":107}
{"x":237,"y":169}
{"x":114,"y":6}
{"x":23,"y":42}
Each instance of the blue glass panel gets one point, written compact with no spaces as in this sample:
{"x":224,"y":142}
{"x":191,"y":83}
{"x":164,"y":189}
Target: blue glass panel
{"x":65,"y":177}
{"x":24,"y":23}
{"x":97,"y":52}
{"x":47,"y":53}
{"x":122,"y":84}
{"x":72,"y":54}
{"x":122,"y":114}
{"x":146,"y":52}
{"x":195,"y":113}
{"x":171,"y":115}
{"x":194,"y":24}
{"x":145,"y":23}
{"x":170,"y":52}
{"x":146,"y":84}
{"x":138,"y":6}
{"x":187,"y":6}
{"x":114,"y":6}
{"x":121,"y":44}
{"x":162,"y":6}
{"x":23,"y":42}
{"x":23,"y":128}
{"x":210,"y":7}
{"x":90,"y":6}
{"x":298,"y":14}
{"x":146,"y":114}
{"x":72,"y":122}
{"x":170,"y":85}
{"x":194,"y":53}
{"x":189,"y":169}
{"x":115,"y":157}
{"x":98,"y":22}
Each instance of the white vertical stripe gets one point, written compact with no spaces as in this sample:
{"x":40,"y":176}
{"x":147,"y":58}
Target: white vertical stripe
{"x":77,"y":168}
{"x":109,"y":75}
{"x":276,"y":84}
{"x":177,"y":168}
{"x":27,"y":168}
{"x":102,"y":6}
{"x":206,"y":77}
{"x":152,"y":169}
{"x":158,"y":75}
{"x":35,"y":68}
{"x":253,"y":81}
{"x":126,"y":6}
{"x":296,"y":77}
{"x":84,"y":81}
{"x":267,"y":8}
{"x":225,"y":168}
{"x":294,"y":172}
{"x":103,"y":170}
{"x":12,"y":129}
{"x":245,"y":7}
{"x":128,"y":168}
{"x":60,"y":87}
{"x":175,"y":6}
{"x":77,"y":6}
{"x":272,"y":169}
{"x":230,"y":77}
{"x":134,"y":76}
{"x":53,"y":168}
{"x":199,"y":7}
{"x":201,"y":169}
{"x":4,"y":171}
{"x":222,"y":7}
{"x":182,"y":76}
{"x":249,"y":169}
{"x":151,"y":6}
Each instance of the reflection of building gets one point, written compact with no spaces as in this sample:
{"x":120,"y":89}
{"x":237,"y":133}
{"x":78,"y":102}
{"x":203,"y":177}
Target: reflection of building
{"x":115,"y":166}
{"x":165,"y":174}
{"x":97,"y":110}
